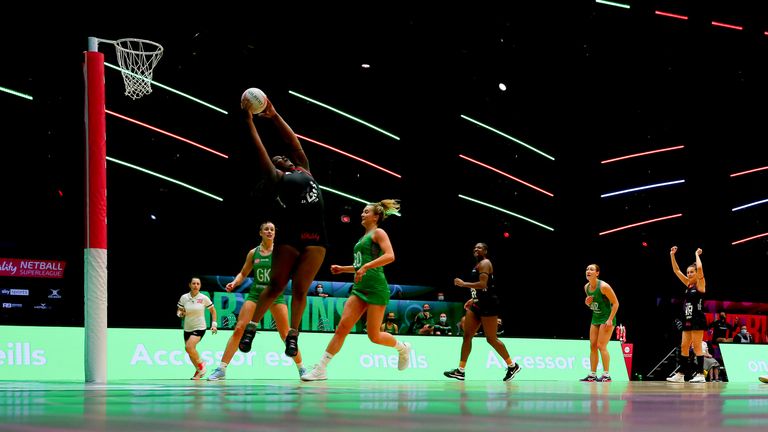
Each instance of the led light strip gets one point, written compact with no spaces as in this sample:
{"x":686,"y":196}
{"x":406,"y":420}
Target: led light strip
{"x":642,"y":188}
{"x":15,"y":93}
{"x":749,"y":238}
{"x":642,"y":154}
{"x":146,"y":171}
{"x":166,"y":133}
{"x":507,"y":212}
{"x":509,"y":137}
{"x":349,"y":155}
{"x":206,"y":104}
{"x":641,"y":223}
{"x":349,"y":116}
{"x":505,"y":175}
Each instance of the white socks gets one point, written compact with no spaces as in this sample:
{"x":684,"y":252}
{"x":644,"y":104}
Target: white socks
{"x":325,"y":359}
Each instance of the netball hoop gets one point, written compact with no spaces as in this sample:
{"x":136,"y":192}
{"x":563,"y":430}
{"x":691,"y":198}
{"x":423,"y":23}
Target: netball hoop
{"x":137,"y":58}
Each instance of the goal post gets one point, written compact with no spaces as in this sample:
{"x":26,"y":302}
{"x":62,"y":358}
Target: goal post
{"x":137,"y":58}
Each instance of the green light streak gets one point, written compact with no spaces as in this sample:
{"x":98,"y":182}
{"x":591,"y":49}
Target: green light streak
{"x":507,"y":136}
{"x":146,"y":171}
{"x":167,"y":88}
{"x":344,"y":114}
{"x":507,"y":212}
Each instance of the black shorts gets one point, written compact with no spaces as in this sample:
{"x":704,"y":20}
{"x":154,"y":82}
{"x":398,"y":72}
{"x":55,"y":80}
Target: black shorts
{"x":486,"y":306}
{"x":302,"y":233}
{"x":696,"y":322}
{"x":200,"y":333}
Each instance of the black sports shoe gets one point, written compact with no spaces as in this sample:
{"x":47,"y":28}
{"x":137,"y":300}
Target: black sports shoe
{"x":292,"y":343}
{"x":247,"y":339}
{"x":455,"y":373}
{"x":589,"y":378}
{"x":511,"y":372}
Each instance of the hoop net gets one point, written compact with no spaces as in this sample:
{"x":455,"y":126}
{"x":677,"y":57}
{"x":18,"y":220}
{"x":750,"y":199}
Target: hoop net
{"x":137,"y":58}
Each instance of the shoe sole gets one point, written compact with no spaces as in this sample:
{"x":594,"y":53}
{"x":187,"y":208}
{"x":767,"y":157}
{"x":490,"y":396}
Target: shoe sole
{"x":312,"y":380}
{"x":460,"y":378}
{"x":305,"y":378}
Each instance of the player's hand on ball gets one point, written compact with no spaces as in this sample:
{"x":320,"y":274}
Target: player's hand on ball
{"x":269,"y":110}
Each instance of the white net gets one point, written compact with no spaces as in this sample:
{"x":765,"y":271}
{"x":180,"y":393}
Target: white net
{"x":137,"y":58}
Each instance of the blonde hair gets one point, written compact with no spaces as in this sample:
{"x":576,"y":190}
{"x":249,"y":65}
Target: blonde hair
{"x":386,"y":208}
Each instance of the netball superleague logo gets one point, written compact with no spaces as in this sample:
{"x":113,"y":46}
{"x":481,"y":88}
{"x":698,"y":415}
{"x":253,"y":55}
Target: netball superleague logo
{"x":21,"y":267}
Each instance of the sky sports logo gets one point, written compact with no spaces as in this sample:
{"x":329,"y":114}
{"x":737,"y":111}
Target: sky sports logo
{"x":15,"y":292}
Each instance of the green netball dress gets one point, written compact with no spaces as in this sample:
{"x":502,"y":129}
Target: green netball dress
{"x":601,"y":306}
{"x":372,"y":288}
{"x":262,"y":265}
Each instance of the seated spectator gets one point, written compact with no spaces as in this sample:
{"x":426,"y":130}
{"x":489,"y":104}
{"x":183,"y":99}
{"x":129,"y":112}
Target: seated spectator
{"x":424,"y":322}
{"x":443,"y":327}
{"x":711,"y":366}
{"x":743,"y":336}
{"x":440,"y":296}
{"x":319,"y":291}
{"x":390,"y":325}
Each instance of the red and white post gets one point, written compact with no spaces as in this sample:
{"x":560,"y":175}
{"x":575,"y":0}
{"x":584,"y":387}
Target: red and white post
{"x":95,"y":255}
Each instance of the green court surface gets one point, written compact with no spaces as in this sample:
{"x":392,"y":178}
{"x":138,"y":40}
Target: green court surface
{"x":346,"y":405}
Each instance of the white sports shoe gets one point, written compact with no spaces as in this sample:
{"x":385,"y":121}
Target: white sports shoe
{"x":677,"y":378}
{"x":763,"y":378}
{"x":403,"y":357}
{"x":218,"y":374}
{"x":698,"y":378}
{"x":316,"y":374}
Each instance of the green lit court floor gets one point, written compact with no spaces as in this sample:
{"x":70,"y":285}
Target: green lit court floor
{"x":263,"y":405}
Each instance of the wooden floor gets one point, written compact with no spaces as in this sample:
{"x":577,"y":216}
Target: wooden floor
{"x":441,"y":406}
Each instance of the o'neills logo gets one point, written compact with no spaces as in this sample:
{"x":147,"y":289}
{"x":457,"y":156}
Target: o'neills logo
{"x":310,"y":236}
{"x":21,"y":354}
{"x":20,"y":267}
